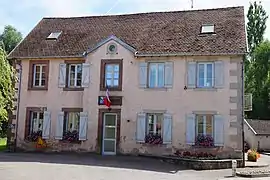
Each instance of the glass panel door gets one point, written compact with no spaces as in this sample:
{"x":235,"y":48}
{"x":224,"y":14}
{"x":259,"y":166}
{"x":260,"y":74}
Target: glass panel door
{"x":109,"y":134}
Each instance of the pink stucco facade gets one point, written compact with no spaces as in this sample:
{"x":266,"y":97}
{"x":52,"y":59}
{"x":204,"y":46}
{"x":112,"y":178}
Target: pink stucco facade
{"x":176,"y":101}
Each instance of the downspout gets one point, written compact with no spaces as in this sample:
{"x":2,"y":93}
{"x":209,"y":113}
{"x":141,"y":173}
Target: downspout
{"x":242,"y":112}
{"x":18,"y":107}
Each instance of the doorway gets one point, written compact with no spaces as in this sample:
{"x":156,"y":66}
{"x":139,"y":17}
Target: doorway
{"x":109,"y":134}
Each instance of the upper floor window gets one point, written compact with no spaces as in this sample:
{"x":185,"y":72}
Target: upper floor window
{"x":205,"y":74}
{"x":111,"y":74}
{"x":156,"y":74}
{"x":38,"y":75}
{"x":74,"y":75}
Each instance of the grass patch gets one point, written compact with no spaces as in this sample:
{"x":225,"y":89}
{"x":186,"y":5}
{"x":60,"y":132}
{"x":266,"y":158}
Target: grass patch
{"x":3,"y":143}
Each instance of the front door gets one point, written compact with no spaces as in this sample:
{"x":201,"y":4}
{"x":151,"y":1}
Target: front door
{"x":109,"y":134}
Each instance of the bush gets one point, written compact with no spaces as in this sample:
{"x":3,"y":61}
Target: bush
{"x":253,"y":155}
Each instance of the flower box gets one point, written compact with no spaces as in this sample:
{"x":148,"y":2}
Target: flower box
{"x":72,"y":137}
{"x":153,"y":139}
{"x":33,"y":137}
{"x":204,"y":141}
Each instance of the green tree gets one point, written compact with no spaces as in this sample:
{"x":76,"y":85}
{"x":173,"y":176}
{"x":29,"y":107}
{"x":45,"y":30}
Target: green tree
{"x":10,"y":37}
{"x":6,"y":86}
{"x":256,"y":25}
{"x":261,"y":96}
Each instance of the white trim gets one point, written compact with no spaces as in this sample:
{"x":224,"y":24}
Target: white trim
{"x":41,"y":66}
{"x":76,"y":74}
{"x":250,"y":127}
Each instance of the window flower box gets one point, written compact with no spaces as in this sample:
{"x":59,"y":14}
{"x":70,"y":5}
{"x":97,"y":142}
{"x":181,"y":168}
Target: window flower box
{"x":204,"y":141}
{"x":71,"y":137}
{"x":33,"y":137}
{"x":153,"y":139}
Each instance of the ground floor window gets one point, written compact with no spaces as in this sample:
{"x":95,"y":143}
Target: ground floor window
{"x":71,"y":126}
{"x":35,"y":125}
{"x":154,"y":128}
{"x":204,"y":130}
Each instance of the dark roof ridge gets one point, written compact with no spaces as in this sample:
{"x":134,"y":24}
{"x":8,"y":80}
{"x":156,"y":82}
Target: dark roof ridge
{"x":145,"y":13}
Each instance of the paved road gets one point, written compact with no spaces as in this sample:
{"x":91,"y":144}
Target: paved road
{"x":91,"y":167}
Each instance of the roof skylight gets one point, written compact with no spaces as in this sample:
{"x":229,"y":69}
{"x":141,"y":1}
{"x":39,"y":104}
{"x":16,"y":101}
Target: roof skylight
{"x":54,"y":35}
{"x":208,"y":28}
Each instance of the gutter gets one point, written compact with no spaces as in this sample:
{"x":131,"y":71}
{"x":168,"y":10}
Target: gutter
{"x":18,"y":107}
{"x":243,"y":113}
{"x":43,"y":57}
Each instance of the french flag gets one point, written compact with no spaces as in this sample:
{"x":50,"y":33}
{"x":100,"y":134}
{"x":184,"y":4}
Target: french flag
{"x":107,"y":101}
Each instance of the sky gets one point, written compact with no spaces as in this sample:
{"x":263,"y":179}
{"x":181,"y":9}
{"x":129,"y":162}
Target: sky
{"x":25,"y":14}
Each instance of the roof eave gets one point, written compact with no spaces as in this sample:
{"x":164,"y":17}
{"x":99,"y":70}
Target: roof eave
{"x":184,"y":54}
{"x":43,"y":57}
{"x":253,"y":130}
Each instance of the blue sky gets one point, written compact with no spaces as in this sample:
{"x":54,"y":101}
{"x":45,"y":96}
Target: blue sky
{"x":25,"y":14}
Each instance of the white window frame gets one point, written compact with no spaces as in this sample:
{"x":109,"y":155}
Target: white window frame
{"x":76,"y":74}
{"x":156,"y":69}
{"x":204,"y":124}
{"x":208,"y":28}
{"x":36,"y":128}
{"x":205,"y":75}
{"x":41,"y":66}
{"x":155,"y":122}
{"x":112,"y":72}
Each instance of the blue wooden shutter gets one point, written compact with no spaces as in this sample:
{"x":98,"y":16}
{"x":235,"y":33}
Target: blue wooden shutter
{"x":219,"y":74}
{"x":167,"y":129}
{"x":169,"y":74}
{"x":59,"y":126}
{"x":46,"y":125}
{"x":141,"y":127}
{"x":190,"y":129}
{"x":62,"y":75}
{"x":85,"y":75}
{"x":83,"y":126}
{"x":218,"y":130}
{"x":143,"y":74}
{"x":191,"y":74}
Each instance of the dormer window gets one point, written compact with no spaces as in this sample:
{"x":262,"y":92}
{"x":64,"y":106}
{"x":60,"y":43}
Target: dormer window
{"x":54,"y":35}
{"x":208,"y":29}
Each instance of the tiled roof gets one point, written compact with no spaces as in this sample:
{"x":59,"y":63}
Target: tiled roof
{"x":149,"y":33}
{"x":261,"y":127}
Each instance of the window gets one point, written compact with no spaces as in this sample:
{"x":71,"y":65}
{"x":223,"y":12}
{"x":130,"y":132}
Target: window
{"x":71,"y":121}
{"x":205,"y":75}
{"x":38,"y":75}
{"x":54,"y":35}
{"x":153,"y":124}
{"x":156,"y":75}
{"x":112,"y":48}
{"x":39,"y":78}
{"x":208,"y":28}
{"x":111,"y":74}
{"x":36,"y":123}
{"x":204,"y":125}
{"x":74,"y":75}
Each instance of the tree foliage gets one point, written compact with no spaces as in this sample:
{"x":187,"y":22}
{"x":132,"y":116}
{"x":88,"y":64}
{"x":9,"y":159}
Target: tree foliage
{"x":261,"y":82}
{"x":256,"y":63}
{"x":10,"y":37}
{"x":256,"y":25}
{"x":6,"y":86}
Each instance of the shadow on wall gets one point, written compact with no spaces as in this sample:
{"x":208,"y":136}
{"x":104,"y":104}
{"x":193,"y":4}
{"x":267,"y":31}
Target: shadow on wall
{"x":126,"y":162}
